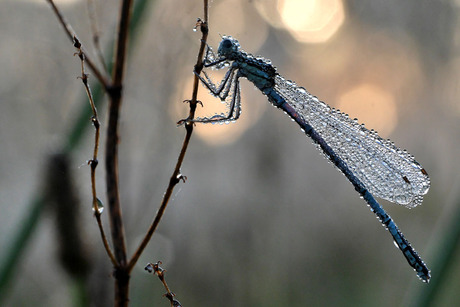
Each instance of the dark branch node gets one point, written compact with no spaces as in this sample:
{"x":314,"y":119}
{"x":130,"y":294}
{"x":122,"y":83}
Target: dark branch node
{"x":95,"y":122}
{"x":93,"y":163}
{"x":114,"y":91}
{"x":76,"y":42}
{"x":121,"y":274}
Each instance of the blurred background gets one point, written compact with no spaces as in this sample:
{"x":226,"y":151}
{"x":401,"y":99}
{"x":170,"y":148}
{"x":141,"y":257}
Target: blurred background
{"x":263,"y":219}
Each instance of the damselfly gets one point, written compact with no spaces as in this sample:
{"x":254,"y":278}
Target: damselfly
{"x":375,"y":167}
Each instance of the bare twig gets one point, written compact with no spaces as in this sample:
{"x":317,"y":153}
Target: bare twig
{"x":97,"y":205}
{"x":177,"y":176}
{"x":71,"y":34}
{"x":113,"y":194}
{"x":160,"y":272}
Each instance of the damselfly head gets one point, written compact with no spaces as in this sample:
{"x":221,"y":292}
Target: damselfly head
{"x":228,"y":47}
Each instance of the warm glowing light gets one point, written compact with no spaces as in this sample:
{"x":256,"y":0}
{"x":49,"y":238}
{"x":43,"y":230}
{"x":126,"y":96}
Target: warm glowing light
{"x":312,"y":21}
{"x":450,"y":87}
{"x":268,"y":10}
{"x":216,"y":134}
{"x":237,"y":23}
{"x":372,"y":105}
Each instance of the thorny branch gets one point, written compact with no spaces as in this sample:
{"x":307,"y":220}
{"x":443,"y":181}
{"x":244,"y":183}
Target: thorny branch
{"x":160,"y":272}
{"x":177,"y":176}
{"x":97,"y":205}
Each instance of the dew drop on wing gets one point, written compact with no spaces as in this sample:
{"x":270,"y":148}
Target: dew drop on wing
{"x":401,"y":199}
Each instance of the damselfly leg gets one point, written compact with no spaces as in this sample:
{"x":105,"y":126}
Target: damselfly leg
{"x":229,"y":86}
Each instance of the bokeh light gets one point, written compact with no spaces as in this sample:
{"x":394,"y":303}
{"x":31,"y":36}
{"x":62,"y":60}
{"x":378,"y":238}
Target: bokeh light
{"x":308,"y":21}
{"x":237,"y":23}
{"x":451,"y":93}
{"x":312,"y":21}
{"x":372,"y":105}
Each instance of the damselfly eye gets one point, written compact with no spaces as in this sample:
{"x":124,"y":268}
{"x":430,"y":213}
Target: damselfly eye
{"x":227,"y":44}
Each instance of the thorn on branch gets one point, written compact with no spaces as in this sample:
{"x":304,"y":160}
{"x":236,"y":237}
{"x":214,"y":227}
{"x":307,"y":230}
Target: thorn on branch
{"x":181,"y":177}
{"x":84,"y":78}
{"x":160,"y":272}
{"x":197,"y":24}
{"x":188,"y":121}
{"x":190,"y":101}
{"x":185,"y":121}
{"x":76,"y":42}
{"x":77,"y":45}
{"x":202,"y":24}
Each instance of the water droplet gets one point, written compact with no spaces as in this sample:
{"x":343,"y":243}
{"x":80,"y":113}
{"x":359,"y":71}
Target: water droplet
{"x":100,"y":206}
